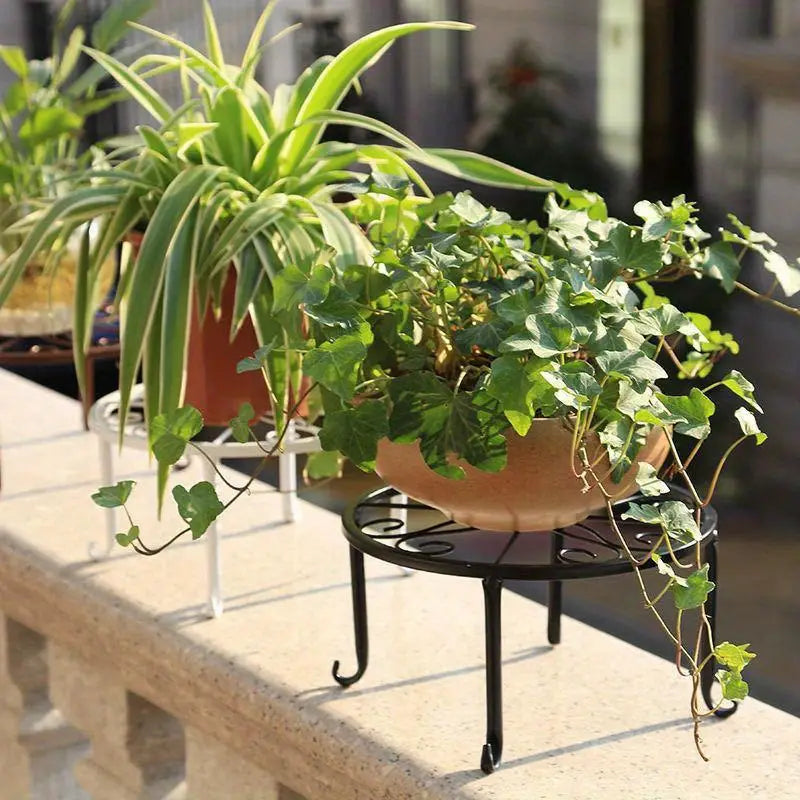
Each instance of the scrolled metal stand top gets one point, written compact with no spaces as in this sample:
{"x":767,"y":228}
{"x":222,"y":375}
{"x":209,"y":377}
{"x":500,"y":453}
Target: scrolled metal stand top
{"x":384,"y":525}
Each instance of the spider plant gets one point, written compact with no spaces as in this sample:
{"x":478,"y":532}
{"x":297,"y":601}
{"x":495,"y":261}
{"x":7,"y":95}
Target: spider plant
{"x":233,"y":176}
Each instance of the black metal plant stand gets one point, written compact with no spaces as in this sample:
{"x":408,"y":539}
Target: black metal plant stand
{"x":385,"y":525}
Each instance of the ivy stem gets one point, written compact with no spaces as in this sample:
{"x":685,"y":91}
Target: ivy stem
{"x":712,"y":487}
{"x":671,"y":353}
{"x":143,"y":549}
{"x":214,"y":466}
{"x":767,"y":299}
{"x":681,"y":469}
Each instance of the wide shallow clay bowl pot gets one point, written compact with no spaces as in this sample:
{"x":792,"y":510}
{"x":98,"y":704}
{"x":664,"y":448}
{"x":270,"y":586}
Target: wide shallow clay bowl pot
{"x":537,"y":491}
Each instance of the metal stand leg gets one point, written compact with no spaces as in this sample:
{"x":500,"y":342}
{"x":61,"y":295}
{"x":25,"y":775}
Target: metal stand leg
{"x":287,"y":479}
{"x":215,"y":601}
{"x":554,"y":589}
{"x":707,"y":675}
{"x":358,"y":587}
{"x":98,"y":553}
{"x":493,"y":748}
{"x":402,"y":515}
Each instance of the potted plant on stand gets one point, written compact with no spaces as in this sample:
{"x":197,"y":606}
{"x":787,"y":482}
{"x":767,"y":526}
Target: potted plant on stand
{"x":513,"y":375}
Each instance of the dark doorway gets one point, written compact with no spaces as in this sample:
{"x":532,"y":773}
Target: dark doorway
{"x":669,"y":100}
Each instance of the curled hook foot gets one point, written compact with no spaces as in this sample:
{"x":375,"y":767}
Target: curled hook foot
{"x":343,"y":680}
{"x":489,"y":762}
{"x":723,"y":713}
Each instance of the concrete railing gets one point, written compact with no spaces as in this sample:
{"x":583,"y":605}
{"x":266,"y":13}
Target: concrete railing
{"x":115,"y":685}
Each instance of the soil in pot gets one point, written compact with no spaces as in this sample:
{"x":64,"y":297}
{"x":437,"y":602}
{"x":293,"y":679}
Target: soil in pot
{"x":537,"y":491}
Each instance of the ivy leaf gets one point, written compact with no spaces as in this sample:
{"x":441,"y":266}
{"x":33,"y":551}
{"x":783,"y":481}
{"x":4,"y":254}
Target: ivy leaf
{"x":324,"y":464}
{"x":742,"y":387}
{"x":746,"y":234}
{"x":732,"y":685}
{"x":659,"y":220}
{"x":170,"y":433}
{"x":355,"y":432}
{"x":113,"y":496}
{"x":574,"y":383}
{"x":674,"y":517}
{"x":630,"y":402}
{"x":199,"y":506}
{"x":516,"y":307}
{"x":293,"y":287}
{"x":720,"y":263}
{"x":337,"y":310}
{"x":696,"y":591}
{"x":547,"y":335}
{"x":666,"y":569}
{"x":663,"y":320}
{"x":690,"y":413}
{"x":259,"y":359}
{"x":623,"y":440}
{"x":626,"y":247}
{"x":648,"y":482}
{"x":748,"y":424}
{"x":571,"y":223}
{"x":335,"y":364}
{"x":420,"y":405}
{"x":632,"y":366}
{"x":734,"y":656}
{"x":709,"y":340}
{"x":511,"y":384}
{"x":425,"y":408}
{"x":240,"y":424}
{"x":475,"y":214}
{"x":129,"y":537}
{"x":487,"y":336}
{"x":787,"y":275}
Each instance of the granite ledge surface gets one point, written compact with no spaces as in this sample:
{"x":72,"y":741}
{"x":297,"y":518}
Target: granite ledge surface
{"x":591,"y":718}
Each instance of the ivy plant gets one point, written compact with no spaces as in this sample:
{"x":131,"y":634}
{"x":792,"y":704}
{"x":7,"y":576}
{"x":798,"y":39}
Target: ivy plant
{"x":466,"y":325}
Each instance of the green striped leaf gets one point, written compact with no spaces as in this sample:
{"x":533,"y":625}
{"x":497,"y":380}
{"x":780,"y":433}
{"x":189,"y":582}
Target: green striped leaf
{"x":249,"y":274}
{"x":163,"y":232}
{"x":477,"y":168}
{"x":351,"y":245}
{"x":338,"y":77}
{"x":213,"y":44}
{"x":143,"y":94}
{"x":250,"y":57}
{"x":81,"y":333}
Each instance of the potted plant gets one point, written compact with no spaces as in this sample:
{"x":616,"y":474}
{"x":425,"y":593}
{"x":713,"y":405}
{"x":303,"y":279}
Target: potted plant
{"x":42,"y":121}
{"x":475,"y":347}
{"x":234,"y":188}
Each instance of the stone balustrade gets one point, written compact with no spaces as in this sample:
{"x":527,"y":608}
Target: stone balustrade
{"x":114,"y":685}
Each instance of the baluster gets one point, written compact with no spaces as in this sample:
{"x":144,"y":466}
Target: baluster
{"x":38,"y":748}
{"x":137,"y":749}
{"x":215,"y":772}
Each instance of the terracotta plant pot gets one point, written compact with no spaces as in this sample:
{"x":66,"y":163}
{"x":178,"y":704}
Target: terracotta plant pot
{"x":213,"y":386}
{"x":537,"y":490}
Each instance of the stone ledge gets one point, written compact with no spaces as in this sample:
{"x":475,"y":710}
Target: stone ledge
{"x":257,"y":681}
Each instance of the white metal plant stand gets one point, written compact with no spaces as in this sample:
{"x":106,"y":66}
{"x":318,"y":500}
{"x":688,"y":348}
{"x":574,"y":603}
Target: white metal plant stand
{"x":104,"y":421}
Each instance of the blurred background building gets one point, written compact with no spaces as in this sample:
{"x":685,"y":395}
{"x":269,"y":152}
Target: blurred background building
{"x":634,"y":98}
